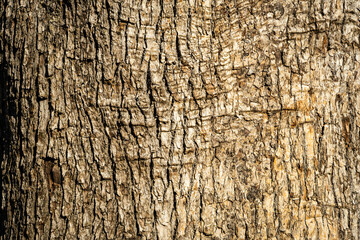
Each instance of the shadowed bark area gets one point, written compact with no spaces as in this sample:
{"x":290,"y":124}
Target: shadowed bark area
{"x":181,"y":119}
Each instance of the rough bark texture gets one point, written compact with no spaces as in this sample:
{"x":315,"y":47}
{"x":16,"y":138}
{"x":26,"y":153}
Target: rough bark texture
{"x":172,"y":119}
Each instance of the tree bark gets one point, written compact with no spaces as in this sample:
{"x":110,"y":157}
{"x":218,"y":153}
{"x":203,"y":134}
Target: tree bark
{"x":158,"y":119}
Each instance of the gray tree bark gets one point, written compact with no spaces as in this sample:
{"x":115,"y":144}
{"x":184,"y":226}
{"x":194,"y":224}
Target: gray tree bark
{"x":158,"y":119}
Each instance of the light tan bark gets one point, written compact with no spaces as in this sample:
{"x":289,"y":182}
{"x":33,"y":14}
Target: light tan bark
{"x":180,"y":119}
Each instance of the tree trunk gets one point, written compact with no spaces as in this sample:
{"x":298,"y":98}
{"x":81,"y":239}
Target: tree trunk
{"x":158,"y":119}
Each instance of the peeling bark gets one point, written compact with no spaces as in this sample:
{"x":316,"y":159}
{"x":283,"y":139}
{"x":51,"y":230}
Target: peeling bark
{"x":180,"y":119}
